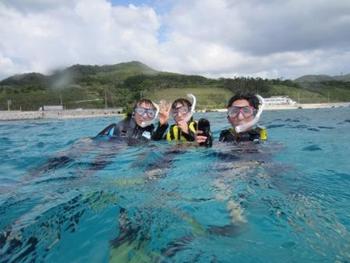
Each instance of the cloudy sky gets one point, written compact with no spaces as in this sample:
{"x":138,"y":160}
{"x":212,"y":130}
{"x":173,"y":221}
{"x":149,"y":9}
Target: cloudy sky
{"x":215,"y":38}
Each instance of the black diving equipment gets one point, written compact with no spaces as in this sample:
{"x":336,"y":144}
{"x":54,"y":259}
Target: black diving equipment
{"x":204,"y":126}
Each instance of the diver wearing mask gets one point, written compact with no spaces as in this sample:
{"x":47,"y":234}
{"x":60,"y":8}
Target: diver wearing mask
{"x":185,"y":128}
{"x":243,"y":113}
{"x":137,"y":126}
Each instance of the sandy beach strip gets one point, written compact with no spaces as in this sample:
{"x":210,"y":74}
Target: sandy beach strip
{"x":299,"y":106}
{"x":94,"y":113}
{"x":58,"y":114}
{"x":307,"y":106}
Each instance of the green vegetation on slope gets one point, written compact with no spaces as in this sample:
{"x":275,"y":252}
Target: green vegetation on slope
{"x":119,"y":85}
{"x":206,"y":98}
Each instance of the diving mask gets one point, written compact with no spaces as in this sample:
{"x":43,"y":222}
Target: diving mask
{"x":247,"y":111}
{"x":146,"y":112}
{"x":180,"y":110}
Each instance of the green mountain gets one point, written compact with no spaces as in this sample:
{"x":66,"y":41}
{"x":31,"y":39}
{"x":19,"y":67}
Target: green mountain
{"x":313,"y":78}
{"x":76,"y":86}
{"x":109,"y":72}
{"x":29,"y":79}
{"x":87,"y":86}
{"x":345,"y":77}
{"x":335,"y":88}
{"x":80,"y":74}
{"x":322,"y":78}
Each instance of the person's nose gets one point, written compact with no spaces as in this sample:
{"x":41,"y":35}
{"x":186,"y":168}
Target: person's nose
{"x":240,"y":115}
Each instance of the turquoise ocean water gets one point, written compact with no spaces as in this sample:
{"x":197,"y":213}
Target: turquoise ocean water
{"x":67,"y":198}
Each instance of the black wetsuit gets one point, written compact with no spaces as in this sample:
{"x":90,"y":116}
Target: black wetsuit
{"x":254,"y":135}
{"x":129,"y":130}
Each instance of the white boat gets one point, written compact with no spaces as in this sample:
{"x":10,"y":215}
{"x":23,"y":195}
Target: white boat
{"x":279,"y":100}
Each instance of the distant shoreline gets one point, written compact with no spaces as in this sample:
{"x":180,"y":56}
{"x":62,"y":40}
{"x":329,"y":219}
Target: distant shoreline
{"x":308,"y":106}
{"x":296,"y":106}
{"x":58,"y":114}
{"x":95,"y":113}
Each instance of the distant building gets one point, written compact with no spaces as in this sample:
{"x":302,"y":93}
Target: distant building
{"x":51,"y":108}
{"x":279,"y":100}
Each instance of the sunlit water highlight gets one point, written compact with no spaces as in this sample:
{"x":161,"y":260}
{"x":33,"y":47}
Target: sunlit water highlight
{"x":67,"y":198}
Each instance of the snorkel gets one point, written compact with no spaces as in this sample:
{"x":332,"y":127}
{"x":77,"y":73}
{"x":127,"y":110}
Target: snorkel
{"x":246,"y":126}
{"x":144,"y":124}
{"x":193,"y":107}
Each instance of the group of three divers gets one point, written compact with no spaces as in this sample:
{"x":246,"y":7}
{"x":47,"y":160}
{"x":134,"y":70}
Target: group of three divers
{"x":243,"y":113}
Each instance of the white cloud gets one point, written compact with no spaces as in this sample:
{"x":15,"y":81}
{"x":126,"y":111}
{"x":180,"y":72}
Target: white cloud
{"x":90,"y":32}
{"x":288,"y":38}
{"x":6,"y":65}
{"x":208,"y":37}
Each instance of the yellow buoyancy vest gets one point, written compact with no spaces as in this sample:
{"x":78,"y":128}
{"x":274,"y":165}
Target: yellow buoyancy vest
{"x":263,"y":134}
{"x":175,"y":134}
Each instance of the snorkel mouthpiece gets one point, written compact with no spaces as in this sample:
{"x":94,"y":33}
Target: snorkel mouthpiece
{"x":147,"y":123}
{"x":193,"y":107}
{"x":246,"y":126}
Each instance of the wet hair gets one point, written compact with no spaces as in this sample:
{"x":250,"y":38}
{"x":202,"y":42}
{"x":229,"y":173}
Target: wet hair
{"x":250,"y":97}
{"x":145,"y":101}
{"x":182,"y":101}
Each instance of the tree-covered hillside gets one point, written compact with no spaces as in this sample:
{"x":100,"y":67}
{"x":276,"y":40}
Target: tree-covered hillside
{"x":85,"y":86}
{"x":334,"y":88}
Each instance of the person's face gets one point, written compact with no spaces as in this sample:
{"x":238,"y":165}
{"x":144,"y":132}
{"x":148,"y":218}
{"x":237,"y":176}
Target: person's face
{"x":144,"y":112}
{"x":180,"y":112}
{"x":240,"y":112}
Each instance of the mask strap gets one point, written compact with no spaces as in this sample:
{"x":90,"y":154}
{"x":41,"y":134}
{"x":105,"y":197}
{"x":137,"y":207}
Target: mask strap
{"x":193,"y":107}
